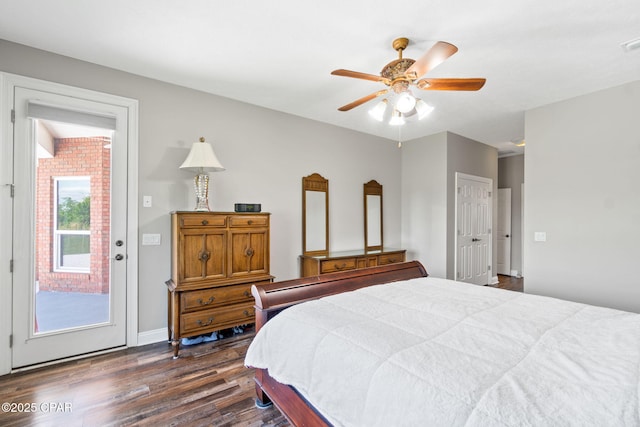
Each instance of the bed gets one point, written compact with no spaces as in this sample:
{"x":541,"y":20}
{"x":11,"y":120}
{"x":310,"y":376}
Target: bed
{"x":391,"y":346}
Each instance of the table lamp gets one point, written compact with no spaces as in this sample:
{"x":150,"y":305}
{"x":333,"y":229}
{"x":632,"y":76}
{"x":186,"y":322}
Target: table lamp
{"x":201,"y":158}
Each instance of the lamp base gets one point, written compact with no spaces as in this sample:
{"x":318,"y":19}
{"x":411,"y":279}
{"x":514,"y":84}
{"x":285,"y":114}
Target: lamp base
{"x":201,"y":185}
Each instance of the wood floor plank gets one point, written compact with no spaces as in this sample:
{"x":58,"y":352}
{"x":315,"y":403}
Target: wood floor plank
{"x":207,"y":386}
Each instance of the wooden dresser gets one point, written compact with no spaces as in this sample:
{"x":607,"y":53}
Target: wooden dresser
{"x":215,"y":258}
{"x":315,"y":265}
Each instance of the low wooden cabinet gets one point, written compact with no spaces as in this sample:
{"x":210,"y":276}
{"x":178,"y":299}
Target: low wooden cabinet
{"x":215,"y":258}
{"x":315,"y":265}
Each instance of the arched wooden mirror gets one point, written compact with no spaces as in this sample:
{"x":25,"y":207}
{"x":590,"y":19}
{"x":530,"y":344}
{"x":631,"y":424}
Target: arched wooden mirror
{"x":315,"y":215}
{"x":372,"y":216}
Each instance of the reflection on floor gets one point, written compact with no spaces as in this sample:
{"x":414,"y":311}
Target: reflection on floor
{"x":62,"y":310}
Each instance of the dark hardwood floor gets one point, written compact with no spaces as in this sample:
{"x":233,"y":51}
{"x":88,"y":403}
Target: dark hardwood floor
{"x":207,"y":386}
{"x":511,"y":283}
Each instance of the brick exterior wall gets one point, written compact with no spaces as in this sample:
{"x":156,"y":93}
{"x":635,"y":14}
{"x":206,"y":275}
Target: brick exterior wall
{"x":75,"y":157}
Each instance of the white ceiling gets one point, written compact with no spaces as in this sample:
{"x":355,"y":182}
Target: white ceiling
{"x":279,"y":54}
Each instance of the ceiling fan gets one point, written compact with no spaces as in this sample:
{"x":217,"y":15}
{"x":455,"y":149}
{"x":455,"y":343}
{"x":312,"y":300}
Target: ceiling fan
{"x":400,"y":74}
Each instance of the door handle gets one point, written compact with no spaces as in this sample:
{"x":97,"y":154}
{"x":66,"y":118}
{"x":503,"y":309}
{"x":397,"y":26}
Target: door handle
{"x":119,"y":257}
{"x":506,"y":235}
{"x":475,"y":240}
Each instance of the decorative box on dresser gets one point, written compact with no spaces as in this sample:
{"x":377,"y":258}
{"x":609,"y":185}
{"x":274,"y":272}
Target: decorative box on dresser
{"x":215,"y":258}
{"x":315,"y":265}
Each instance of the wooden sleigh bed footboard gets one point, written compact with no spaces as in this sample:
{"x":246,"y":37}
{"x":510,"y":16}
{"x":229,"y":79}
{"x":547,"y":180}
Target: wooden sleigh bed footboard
{"x":272,"y":298}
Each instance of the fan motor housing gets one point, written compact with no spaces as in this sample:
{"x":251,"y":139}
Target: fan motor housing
{"x":397,"y":68}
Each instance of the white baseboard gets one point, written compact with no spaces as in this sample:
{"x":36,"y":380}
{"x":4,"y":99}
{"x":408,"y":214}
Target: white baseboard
{"x":514,"y":273}
{"x":152,"y":337}
{"x":494,"y":280}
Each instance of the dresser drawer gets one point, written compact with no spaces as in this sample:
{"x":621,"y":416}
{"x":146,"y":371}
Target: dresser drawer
{"x":216,"y":318}
{"x":390,"y":258}
{"x":368,"y":261}
{"x":203,"y":220}
{"x":214,"y":297}
{"x":249,"y":221}
{"x":342,"y":264}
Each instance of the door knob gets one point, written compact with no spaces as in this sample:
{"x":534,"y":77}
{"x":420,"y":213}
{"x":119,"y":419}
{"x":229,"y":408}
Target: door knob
{"x":475,"y":240}
{"x":119,"y":243}
{"x":119,"y":257}
{"x":506,"y":235}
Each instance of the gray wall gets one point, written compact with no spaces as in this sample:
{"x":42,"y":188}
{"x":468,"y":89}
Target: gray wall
{"x":467,"y":156}
{"x":265,"y":153}
{"x":429,"y":166}
{"x":582,"y":169}
{"x":511,"y":175}
{"x":424,"y":201}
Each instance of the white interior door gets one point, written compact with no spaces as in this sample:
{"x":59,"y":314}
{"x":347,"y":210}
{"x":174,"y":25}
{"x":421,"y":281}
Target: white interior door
{"x":504,"y":232}
{"x":69,"y":226}
{"x":473,"y":234}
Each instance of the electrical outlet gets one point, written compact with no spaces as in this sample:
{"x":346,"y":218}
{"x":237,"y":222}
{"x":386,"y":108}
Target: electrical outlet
{"x":147,"y":201}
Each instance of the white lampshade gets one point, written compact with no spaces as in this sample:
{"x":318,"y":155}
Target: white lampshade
{"x":396,"y":118}
{"x":377,"y":112}
{"x":423,"y":109}
{"x":202,"y":157}
{"x":405,"y":102}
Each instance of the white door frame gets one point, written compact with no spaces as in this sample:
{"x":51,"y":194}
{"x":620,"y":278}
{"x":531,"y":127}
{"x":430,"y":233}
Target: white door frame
{"x":7,"y":84}
{"x":489,"y":181}
{"x":504,"y":232}
{"x":522,"y":230}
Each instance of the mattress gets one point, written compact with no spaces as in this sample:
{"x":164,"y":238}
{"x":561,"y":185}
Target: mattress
{"x":437,"y":352}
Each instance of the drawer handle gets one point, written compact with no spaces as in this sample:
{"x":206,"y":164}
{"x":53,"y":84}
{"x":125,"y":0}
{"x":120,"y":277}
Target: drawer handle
{"x":250,"y":222}
{"x":249,"y":252}
{"x":201,"y":323}
{"x":246,"y":313}
{"x":204,"y":256}
{"x":211,"y":299}
{"x":339,"y":267}
{"x":205,"y":222}
{"x":247,"y":293}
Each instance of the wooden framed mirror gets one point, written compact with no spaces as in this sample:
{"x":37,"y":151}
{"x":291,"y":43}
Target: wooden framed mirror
{"x":315,"y":215}
{"x":372,"y":216}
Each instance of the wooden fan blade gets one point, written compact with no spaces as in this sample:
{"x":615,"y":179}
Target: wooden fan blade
{"x":358,"y":75}
{"x":363,"y":100}
{"x":450,"y":84}
{"x":430,"y":60}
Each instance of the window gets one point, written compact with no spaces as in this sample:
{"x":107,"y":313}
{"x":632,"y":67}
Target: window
{"x":72,"y":220}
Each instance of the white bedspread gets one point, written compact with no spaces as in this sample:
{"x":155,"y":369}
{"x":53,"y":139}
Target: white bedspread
{"x":433,"y":352}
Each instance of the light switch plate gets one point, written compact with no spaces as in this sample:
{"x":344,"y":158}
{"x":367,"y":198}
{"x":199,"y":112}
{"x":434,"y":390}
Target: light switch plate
{"x":147,"y":201}
{"x":540,"y":236}
{"x":151,"y":239}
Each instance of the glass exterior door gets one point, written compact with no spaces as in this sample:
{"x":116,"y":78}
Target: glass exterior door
{"x":69,"y":283}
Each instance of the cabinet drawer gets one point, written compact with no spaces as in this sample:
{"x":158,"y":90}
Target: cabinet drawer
{"x":216,"y":318}
{"x":390,"y":258}
{"x":341,"y":264}
{"x":215,"y":297}
{"x":249,"y":221}
{"x":200,"y":220}
{"x":368,"y":261}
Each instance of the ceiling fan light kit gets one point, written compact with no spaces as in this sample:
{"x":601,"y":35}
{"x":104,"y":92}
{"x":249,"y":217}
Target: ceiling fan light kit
{"x":402,"y":73}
